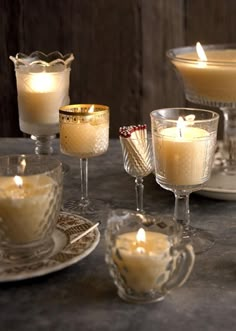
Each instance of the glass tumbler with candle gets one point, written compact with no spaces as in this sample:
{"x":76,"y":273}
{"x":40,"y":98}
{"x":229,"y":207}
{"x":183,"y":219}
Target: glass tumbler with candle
{"x":184,"y":141}
{"x":137,"y":156}
{"x":208,"y":75}
{"x":42,"y":87}
{"x":84,"y":133}
{"x":146,"y":259}
{"x":30,"y":200}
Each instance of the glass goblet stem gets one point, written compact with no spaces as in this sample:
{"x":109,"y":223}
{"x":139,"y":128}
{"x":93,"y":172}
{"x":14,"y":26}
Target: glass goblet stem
{"x":43,"y":144}
{"x":139,"y":188}
{"x":181,"y":211}
{"x":84,"y":201}
{"x":229,"y":146}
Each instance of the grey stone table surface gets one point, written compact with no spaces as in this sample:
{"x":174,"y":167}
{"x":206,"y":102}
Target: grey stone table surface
{"x":83,"y":296}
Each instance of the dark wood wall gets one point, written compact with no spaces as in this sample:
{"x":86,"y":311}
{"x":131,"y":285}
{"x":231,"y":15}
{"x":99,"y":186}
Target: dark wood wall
{"x":119,"y":49}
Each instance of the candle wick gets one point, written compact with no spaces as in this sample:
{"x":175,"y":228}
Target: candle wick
{"x":140,"y":250}
{"x":180,"y":132}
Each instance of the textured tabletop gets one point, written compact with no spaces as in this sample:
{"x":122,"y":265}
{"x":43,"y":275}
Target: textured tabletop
{"x":83,"y":296}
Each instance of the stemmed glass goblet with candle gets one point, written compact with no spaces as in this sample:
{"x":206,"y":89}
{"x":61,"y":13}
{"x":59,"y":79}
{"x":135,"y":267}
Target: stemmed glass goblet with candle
{"x":137,"y":157}
{"x":184,"y":141}
{"x":42,"y":87}
{"x":84,"y":133}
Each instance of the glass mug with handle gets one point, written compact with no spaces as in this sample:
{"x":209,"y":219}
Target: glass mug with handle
{"x":146,"y":256}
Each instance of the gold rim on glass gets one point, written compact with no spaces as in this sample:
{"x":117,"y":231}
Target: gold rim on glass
{"x":83,"y":109}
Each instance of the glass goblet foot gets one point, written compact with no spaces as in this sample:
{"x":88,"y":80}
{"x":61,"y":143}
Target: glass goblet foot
{"x":86,"y":207}
{"x":201,"y":240}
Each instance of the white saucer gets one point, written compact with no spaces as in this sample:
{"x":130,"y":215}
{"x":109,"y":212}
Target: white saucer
{"x":220,"y":186}
{"x":64,"y":254}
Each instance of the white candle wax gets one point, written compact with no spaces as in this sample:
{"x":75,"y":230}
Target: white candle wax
{"x":144,"y":265}
{"x":39,"y":97}
{"x":215,"y":81}
{"x":84,"y":139}
{"x":183,"y":160}
{"x":23,"y":208}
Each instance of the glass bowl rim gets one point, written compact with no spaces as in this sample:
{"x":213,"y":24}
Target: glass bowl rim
{"x":57,"y":164}
{"x":156,"y":115}
{"x":173,"y":52}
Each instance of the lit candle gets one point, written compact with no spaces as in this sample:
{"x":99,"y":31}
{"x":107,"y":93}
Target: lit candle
{"x":142,"y":259}
{"x":39,"y":97}
{"x":182,"y":151}
{"x":86,"y":135}
{"x":210,"y":74}
{"x":24,"y":202}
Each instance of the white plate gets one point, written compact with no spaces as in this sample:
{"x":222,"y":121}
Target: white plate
{"x":220,"y":186}
{"x":64,"y":254}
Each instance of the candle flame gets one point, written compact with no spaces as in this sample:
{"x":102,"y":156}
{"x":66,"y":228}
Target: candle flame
{"x":141,"y":238}
{"x":180,"y":125}
{"x":91,"y":109}
{"x":18,"y":180}
{"x":189,"y":119}
{"x":21,"y":167}
{"x":23,"y":164}
{"x":200,"y":52}
{"x":141,"y":235}
{"x":41,"y":82}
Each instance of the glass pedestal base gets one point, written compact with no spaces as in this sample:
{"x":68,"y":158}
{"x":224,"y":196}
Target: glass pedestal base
{"x":94,"y":210}
{"x":200,"y":239}
{"x":43,"y":144}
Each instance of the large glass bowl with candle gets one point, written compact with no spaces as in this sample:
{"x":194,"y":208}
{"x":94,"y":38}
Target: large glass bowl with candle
{"x":84,"y":133}
{"x":146,"y":256}
{"x":30,"y":201}
{"x":208,"y":74}
{"x":184,"y":141}
{"x":42,"y":87}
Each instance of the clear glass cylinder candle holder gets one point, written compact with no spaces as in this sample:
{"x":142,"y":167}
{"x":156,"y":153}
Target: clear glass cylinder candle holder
{"x":184,"y":141}
{"x":145,"y":255}
{"x":30,"y":201}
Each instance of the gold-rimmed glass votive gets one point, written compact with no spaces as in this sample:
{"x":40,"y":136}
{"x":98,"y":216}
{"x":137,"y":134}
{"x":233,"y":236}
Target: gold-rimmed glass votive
{"x":84,"y":133}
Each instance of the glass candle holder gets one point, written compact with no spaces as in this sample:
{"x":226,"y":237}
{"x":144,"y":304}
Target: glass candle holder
{"x":42,"y":87}
{"x":30,"y":201}
{"x":84,"y":133}
{"x":137,"y":157}
{"x":145,"y":255}
{"x":184,"y":141}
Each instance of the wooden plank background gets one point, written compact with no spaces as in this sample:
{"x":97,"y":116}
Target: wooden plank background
{"x":119,"y":47}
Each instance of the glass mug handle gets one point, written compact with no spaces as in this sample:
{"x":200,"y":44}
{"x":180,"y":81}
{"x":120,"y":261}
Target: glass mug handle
{"x":185,"y":257}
